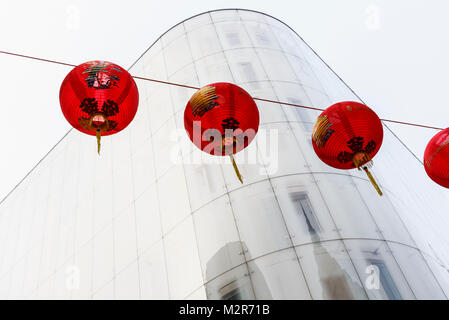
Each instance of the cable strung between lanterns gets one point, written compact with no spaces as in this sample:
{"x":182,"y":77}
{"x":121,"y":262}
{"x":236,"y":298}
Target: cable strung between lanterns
{"x":197,"y":88}
{"x":35,"y":58}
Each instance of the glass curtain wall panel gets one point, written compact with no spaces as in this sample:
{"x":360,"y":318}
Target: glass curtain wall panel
{"x":156,"y":218}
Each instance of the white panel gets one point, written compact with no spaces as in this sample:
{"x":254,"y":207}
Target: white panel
{"x":83,"y":261}
{"x":213,"y":68}
{"x":164,"y":146}
{"x":199,"y":21}
{"x":103,"y":264}
{"x":155,"y":68}
{"x":127,"y":283}
{"x":30,"y":280}
{"x":103,"y":203}
{"x":148,"y":219}
{"x":153,"y":273}
{"x":160,"y":108}
{"x":143,"y":168}
{"x":122,"y":186}
{"x":232,"y":285}
{"x":218,"y":240}
{"x":173,"y":198}
{"x":84,"y":220}
{"x":5,"y":284}
{"x":64,"y":282}
{"x":45,"y":291}
{"x":245,"y":65}
{"x":183,"y":265}
{"x":205,"y":183}
{"x":351,"y":216}
{"x":378,"y":270}
{"x":329,"y":272}
{"x":278,"y":276}
{"x":232,"y":35}
{"x":105,"y":293}
{"x":284,"y":156}
{"x":174,"y":33}
{"x":203,"y":41}
{"x":250,"y":165}
{"x":199,"y":294}
{"x":125,"y":246}
{"x":304,"y":210}
{"x":411,"y":262}
{"x":276,"y":65}
{"x":140,"y":126}
{"x":17,"y":278}
{"x":257,"y":213}
{"x":178,"y":53}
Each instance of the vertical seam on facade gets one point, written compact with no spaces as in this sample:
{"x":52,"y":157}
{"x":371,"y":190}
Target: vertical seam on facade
{"x":75,"y":217}
{"x":183,"y":164}
{"x":268,"y":176}
{"x":135,"y":214}
{"x":222,"y":170}
{"x":113,"y":229}
{"x":42,"y":238}
{"x":157,"y":187}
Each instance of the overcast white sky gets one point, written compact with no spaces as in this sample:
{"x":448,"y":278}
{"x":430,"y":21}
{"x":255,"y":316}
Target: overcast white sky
{"x":393,"y":53}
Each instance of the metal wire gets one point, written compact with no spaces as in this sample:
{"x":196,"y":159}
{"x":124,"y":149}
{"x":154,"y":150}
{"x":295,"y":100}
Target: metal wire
{"x":196,"y":88}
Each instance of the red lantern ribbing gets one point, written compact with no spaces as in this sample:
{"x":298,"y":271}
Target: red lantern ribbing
{"x":436,"y":158}
{"x":348,"y":135}
{"x":221,"y":119}
{"x":99,"y":98}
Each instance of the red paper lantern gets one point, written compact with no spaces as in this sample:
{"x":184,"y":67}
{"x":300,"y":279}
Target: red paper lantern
{"x":348,"y":135}
{"x":99,"y":98}
{"x":221,"y":119}
{"x":436,"y":158}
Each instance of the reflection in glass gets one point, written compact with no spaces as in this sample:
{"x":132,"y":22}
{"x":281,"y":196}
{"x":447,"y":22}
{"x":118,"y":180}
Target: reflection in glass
{"x":234,"y":284}
{"x":386,"y":280}
{"x":329,"y":271}
{"x":304,"y":115}
{"x":281,"y":273}
{"x":304,"y":209}
{"x":233,"y":38}
{"x":248,"y":70}
{"x":378,"y":270}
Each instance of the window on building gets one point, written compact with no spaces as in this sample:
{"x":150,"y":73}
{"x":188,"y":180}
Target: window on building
{"x":262,"y":37}
{"x":247,"y":71}
{"x":235,"y":290}
{"x":208,"y":179}
{"x":233,"y":38}
{"x":304,"y":208}
{"x":386,"y":280}
{"x":232,"y":295}
{"x":304,"y":115}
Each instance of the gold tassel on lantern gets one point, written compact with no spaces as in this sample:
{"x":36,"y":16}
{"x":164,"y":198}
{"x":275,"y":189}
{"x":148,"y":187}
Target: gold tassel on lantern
{"x":236,"y":168}
{"x":98,"y":140}
{"x":362,"y":160}
{"x":100,"y":125}
{"x":373,"y":182}
{"x":229,"y":143}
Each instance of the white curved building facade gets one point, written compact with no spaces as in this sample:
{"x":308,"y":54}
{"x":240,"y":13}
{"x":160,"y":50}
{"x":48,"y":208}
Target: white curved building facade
{"x":155,"y":218}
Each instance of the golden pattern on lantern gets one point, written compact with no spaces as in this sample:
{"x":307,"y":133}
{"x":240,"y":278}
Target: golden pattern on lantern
{"x":321,"y":132}
{"x":203,"y":100}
